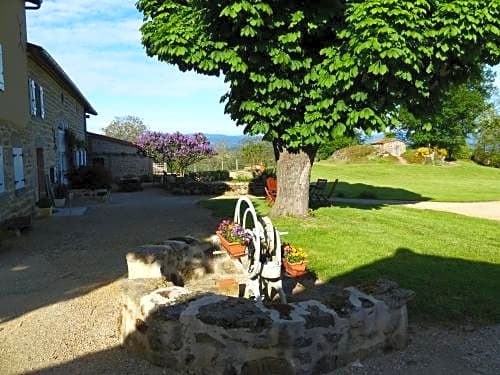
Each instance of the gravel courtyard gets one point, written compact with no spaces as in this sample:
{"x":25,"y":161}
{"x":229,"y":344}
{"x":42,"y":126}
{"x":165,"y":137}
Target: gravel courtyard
{"x":59,"y":296}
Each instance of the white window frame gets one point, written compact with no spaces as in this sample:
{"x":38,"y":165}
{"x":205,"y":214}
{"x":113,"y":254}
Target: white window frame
{"x":2,"y":174}
{"x":37,"y":99}
{"x":2,"y":78}
{"x":42,"y":103}
{"x":32,"y":90}
{"x":17,"y":157}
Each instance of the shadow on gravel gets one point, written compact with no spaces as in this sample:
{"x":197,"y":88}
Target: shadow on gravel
{"x":66,"y":257}
{"x":449,"y":292}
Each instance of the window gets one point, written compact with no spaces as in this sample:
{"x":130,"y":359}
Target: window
{"x":17,"y":156}
{"x":2,"y":178}
{"x":2,"y":80}
{"x":80,"y":158}
{"x":37,"y":99}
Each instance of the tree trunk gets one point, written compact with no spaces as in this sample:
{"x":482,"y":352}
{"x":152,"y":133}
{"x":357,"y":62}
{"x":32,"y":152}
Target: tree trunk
{"x":293,"y":172}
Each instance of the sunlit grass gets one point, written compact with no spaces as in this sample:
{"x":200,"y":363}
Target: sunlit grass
{"x":452,"y":262}
{"x":464,"y":181}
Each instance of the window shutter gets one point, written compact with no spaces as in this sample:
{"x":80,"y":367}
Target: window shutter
{"x":17,"y":155}
{"x":42,"y":103}
{"x":2,"y":178}
{"x":32,"y":88}
{"x":2,"y":79}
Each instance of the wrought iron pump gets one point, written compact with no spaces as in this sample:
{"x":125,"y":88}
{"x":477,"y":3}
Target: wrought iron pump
{"x":263,"y":266}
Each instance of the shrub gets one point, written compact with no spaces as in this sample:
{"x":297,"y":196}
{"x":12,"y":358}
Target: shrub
{"x":87,"y":177}
{"x":209,"y":176}
{"x":463,"y":152}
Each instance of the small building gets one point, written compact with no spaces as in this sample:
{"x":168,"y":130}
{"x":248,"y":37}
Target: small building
{"x":120,"y":157}
{"x":391,"y":146}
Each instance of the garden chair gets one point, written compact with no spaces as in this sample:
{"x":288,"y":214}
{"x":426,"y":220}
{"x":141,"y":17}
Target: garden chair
{"x":271,"y":189}
{"x":317,"y":187}
{"x":323,"y":196}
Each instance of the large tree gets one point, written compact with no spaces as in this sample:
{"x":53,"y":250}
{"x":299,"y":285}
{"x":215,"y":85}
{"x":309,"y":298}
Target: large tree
{"x":127,"y":128}
{"x":455,"y":117}
{"x":302,"y":72}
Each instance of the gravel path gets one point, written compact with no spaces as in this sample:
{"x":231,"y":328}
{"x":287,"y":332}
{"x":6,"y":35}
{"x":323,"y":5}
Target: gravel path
{"x":485,"y":210}
{"x":59,"y":296}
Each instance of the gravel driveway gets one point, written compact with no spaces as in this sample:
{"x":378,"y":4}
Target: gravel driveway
{"x":59,"y":296}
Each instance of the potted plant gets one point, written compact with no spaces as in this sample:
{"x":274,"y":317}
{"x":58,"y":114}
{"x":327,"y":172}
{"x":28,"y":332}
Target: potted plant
{"x":294,"y":260}
{"x":44,"y":207}
{"x":233,"y":237}
{"x":60,"y":195}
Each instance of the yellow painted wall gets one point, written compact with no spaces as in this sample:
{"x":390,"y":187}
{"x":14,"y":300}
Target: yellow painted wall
{"x":14,"y":99}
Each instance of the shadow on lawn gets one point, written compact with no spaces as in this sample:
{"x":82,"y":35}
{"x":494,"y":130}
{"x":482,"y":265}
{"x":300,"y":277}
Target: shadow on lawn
{"x":364,"y":191}
{"x":448,"y":291}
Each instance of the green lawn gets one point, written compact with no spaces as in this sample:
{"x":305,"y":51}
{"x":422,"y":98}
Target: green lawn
{"x":464,"y":182}
{"x":452,"y":262}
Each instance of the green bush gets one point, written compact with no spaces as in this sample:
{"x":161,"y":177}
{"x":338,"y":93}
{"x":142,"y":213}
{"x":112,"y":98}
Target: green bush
{"x":463,"y":152}
{"x":490,"y":159}
{"x":91,"y":177}
{"x":209,"y":176}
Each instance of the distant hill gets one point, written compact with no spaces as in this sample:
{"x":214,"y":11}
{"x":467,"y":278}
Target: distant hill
{"x":230,"y":140}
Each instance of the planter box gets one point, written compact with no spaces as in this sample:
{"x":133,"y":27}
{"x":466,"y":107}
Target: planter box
{"x":234,"y":249}
{"x":295,"y":269}
{"x":59,"y":202}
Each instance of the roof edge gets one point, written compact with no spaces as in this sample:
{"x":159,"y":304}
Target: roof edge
{"x":111,"y":139}
{"x":39,"y":55}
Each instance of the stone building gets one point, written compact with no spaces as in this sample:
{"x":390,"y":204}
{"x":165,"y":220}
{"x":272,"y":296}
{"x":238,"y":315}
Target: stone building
{"x":42,"y":116}
{"x":16,"y":152}
{"x":391,"y":146}
{"x":120,"y":157}
{"x":58,"y":112}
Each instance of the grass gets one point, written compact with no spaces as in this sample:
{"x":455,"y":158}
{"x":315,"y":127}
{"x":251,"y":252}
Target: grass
{"x":452,"y":262}
{"x":463,"y":182}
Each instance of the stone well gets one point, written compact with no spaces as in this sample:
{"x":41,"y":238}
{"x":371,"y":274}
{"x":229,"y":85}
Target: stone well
{"x":194,"y":329}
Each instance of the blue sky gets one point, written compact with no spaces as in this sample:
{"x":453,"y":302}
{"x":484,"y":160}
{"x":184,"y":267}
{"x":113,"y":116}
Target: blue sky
{"x":97,"y":42}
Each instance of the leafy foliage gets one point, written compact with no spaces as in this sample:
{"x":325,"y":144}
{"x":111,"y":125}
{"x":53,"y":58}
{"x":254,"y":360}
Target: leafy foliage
{"x":454,"y":118}
{"x":177,"y":150}
{"x":254,"y":151}
{"x":301,"y":74}
{"x":487,"y":150}
{"x":328,"y":148}
{"x":127,"y":128}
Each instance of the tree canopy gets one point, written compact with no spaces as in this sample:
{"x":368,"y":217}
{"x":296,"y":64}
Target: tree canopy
{"x":456,"y":115}
{"x":301,"y":73}
{"x":127,"y":128}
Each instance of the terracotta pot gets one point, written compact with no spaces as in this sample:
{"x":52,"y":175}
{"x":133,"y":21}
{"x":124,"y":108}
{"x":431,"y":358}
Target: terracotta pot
{"x":295,"y":269}
{"x":234,"y":249}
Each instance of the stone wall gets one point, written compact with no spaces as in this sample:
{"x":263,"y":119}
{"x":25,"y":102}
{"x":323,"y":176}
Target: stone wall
{"x":62,"y":111}
{"x":190,"y":328}
{"x":14,"y":202}
{"x":120,"y":158}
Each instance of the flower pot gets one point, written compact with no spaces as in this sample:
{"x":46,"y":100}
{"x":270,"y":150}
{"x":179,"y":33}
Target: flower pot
{"x":59,"y":202}
{"x":234,"y":249}
{"x":44,"y":211}
{"x":295,"y":269}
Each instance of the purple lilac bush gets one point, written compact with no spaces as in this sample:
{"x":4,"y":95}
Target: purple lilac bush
{"x":178,"y":150}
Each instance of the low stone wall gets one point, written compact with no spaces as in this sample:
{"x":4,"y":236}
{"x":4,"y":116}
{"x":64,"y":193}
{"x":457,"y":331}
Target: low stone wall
{"x":194,"y":329}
